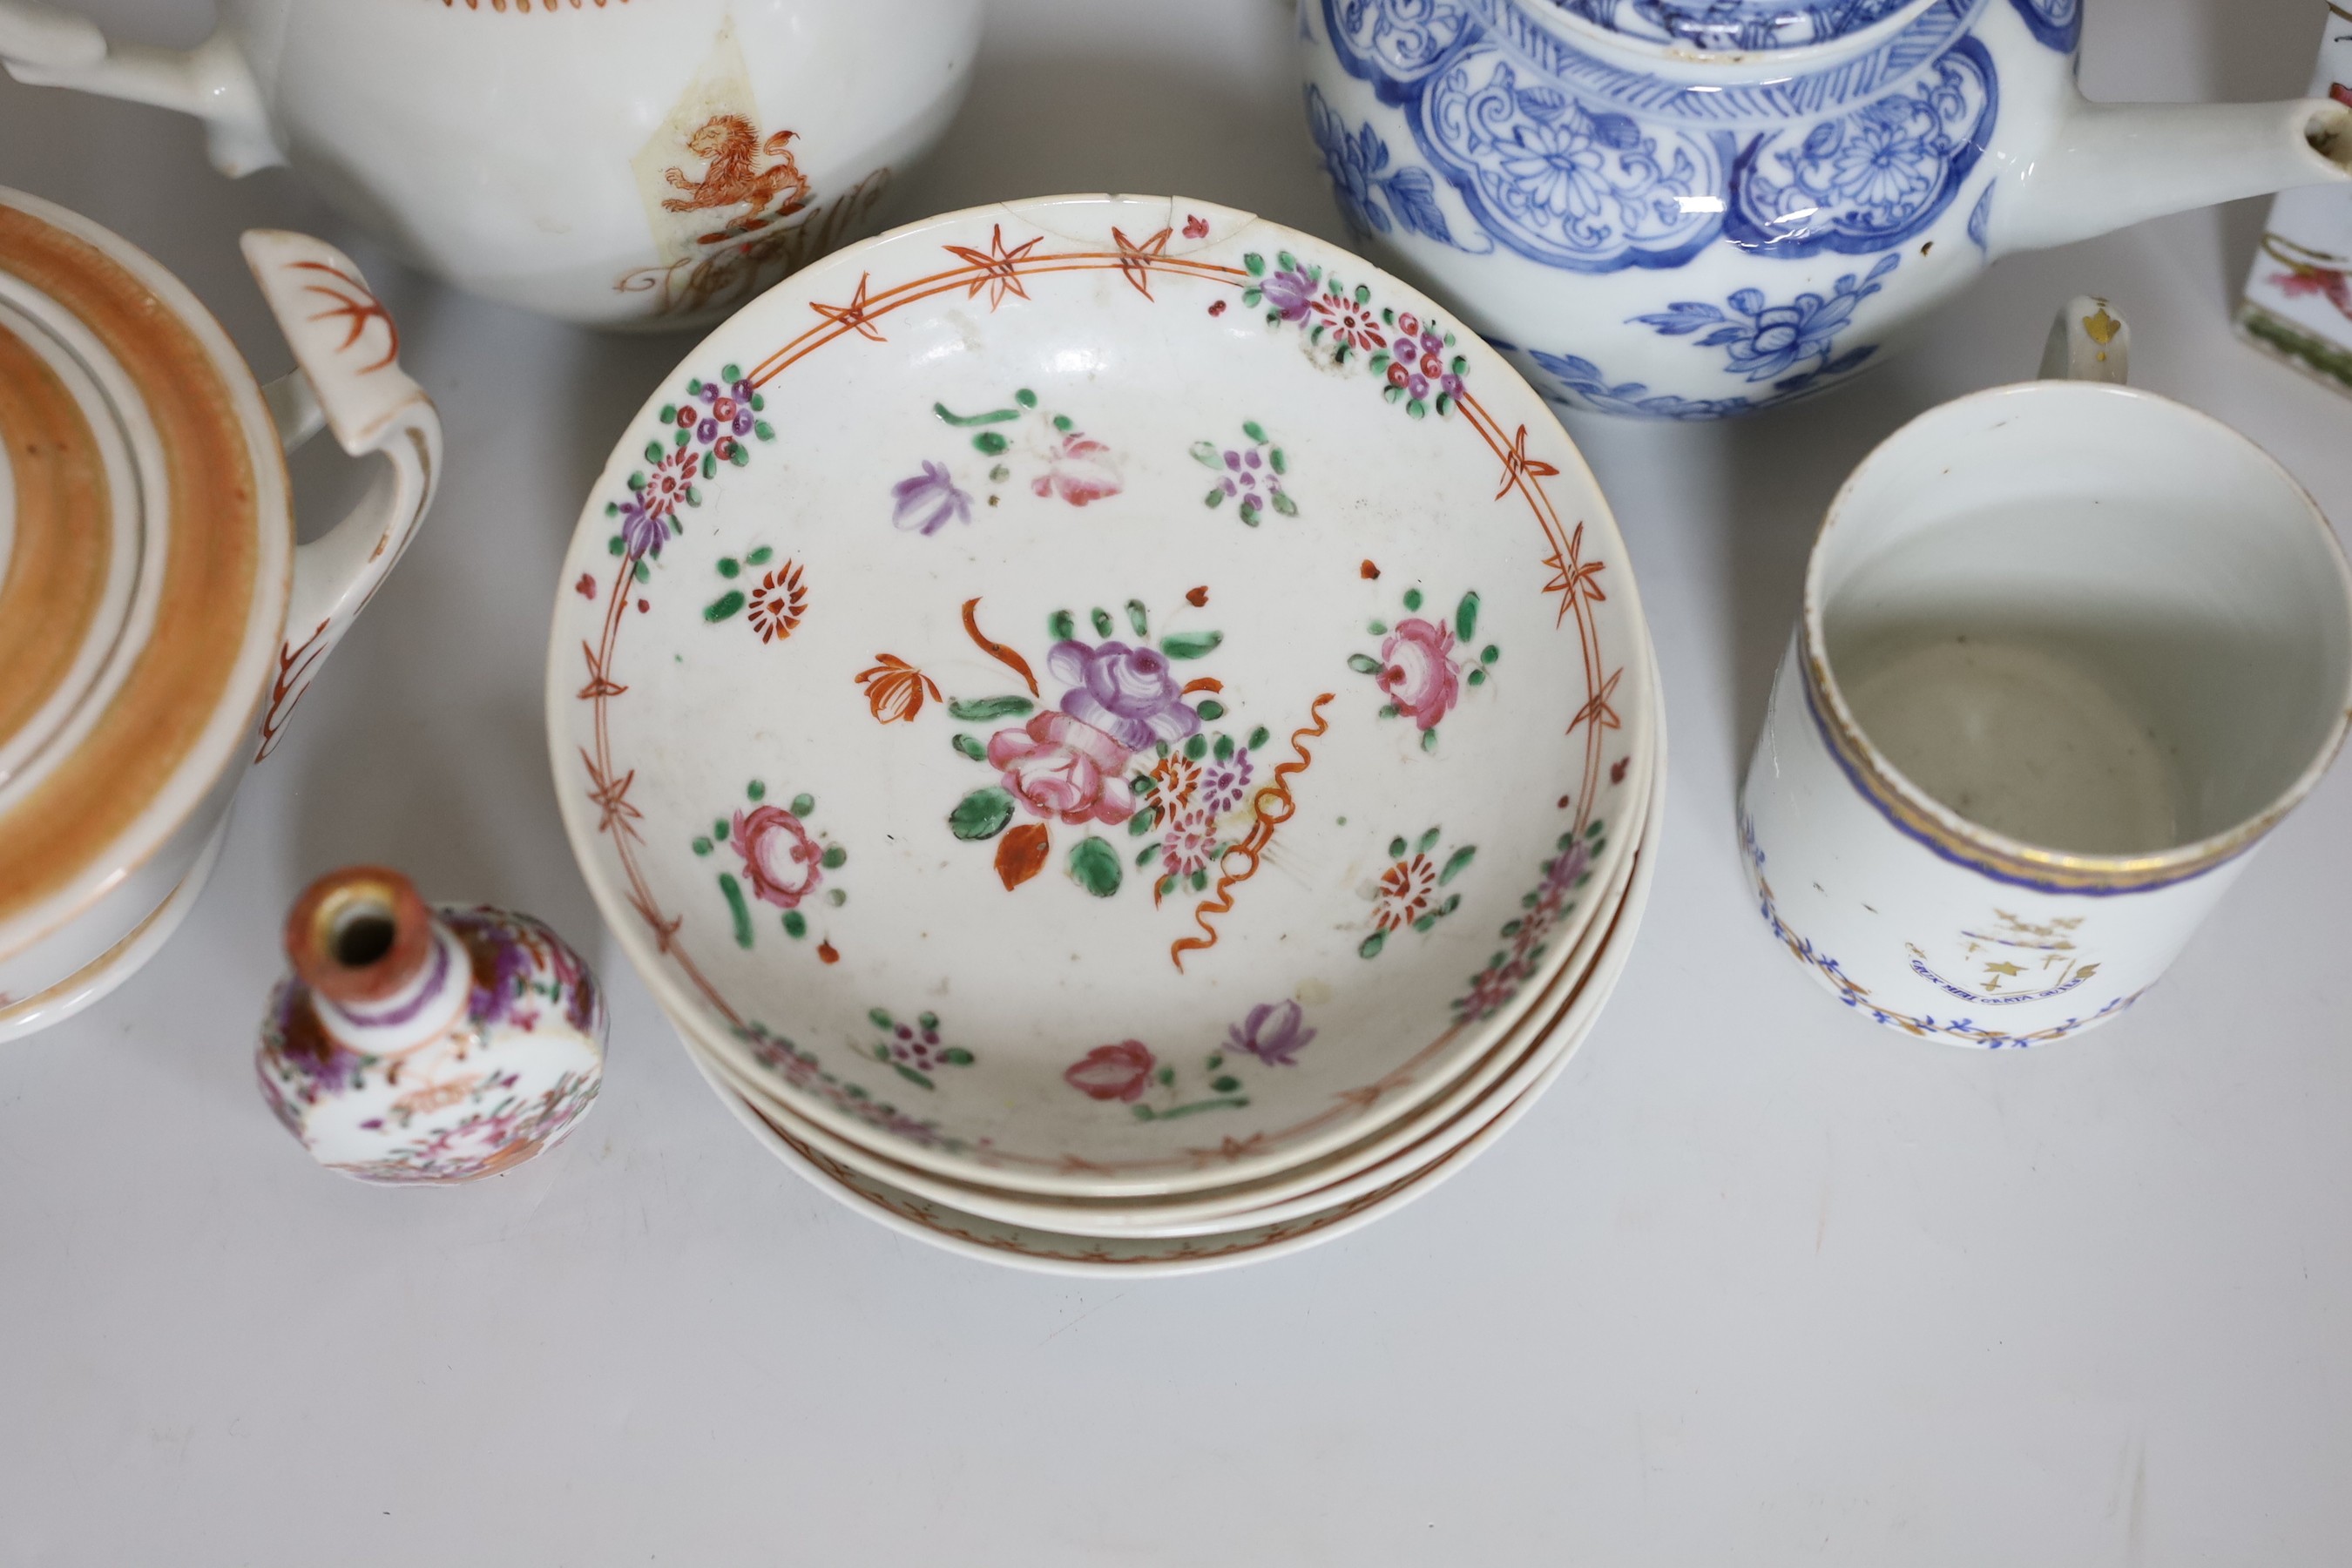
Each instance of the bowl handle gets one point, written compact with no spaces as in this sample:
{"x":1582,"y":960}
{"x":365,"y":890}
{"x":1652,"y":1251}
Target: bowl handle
{"x":349,"y":380}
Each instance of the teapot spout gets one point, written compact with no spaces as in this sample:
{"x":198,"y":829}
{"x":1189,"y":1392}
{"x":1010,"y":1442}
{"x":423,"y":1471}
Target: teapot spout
{"x":2110,"y":165}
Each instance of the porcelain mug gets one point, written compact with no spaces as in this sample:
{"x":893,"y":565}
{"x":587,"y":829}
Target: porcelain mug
{"x":2069,"y":651}
{"x":648,"y":164}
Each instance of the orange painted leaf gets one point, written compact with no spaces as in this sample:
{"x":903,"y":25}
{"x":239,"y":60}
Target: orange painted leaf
{"x":1021,"y":853}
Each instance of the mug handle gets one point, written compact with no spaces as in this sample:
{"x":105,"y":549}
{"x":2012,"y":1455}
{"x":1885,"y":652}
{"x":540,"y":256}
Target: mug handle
{"x":348,"y":379}
{"x":42,"y":47}
{"x":2088,"y":341}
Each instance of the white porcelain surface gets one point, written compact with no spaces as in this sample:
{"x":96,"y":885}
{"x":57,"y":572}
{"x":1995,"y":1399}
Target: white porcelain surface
{"x":960,"y":744}
{"x":1990,"y":805}
{"x":628,"y":162}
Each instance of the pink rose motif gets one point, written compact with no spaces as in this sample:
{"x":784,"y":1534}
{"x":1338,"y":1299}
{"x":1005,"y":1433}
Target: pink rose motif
{"x":779,"y":856}
{"x":1112,"y":1072}
{"x":1417,"y":672}
{"x":1079,"y":469}
{"x":1060,"y":766}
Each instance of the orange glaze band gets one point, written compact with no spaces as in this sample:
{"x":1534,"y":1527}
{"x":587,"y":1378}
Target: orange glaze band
{"x":180,"y":677}
{"x":57,"y":567}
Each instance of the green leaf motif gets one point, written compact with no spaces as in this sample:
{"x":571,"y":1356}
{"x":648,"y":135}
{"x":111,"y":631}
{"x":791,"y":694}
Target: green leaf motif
{"x":1205,"y":453}
{"x":726,"y":605}
{"x":1428,"y":842}
{"x":802,"y":804}
{"x":1372,"y":944}
{"x":1102,"y":622}
{"x":1466,"y":616}
{"x":970,"y":747}
{"x":736,"y":906}
{"x":1060,"y":626}
{"x":1457,"y":863}
{"x":983,"y":814}
{"x":1136,"y":618}
{"x":1190,"y":645}
{"x":1094,"y":866}
{"x":967,"y":421}
{"x":978,"y":709}
{"x":1363,"y":664}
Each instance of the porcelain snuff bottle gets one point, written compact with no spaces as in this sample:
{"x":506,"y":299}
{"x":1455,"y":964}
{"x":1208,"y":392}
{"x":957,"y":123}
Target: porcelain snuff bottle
{"x":645,"y":162}
{"x":426,"y":1044}
{"x":1692,"y":209}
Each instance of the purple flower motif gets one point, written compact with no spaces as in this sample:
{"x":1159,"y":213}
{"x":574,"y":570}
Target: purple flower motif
{"x":1223,"y":783}
{"x":641,"y":531}
{"x":502,"y":966}
{"x":1291,"y":293}
{"x":1271,"y":1033}
{"x":1571,"y":866}
{"x":1127,"y":693}
{"x":928,"y":501}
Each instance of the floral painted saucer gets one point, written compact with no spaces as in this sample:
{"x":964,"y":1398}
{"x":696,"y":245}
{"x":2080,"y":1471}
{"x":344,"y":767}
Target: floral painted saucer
{"x":1097,"y":696}
{"x":1555,"y":1026}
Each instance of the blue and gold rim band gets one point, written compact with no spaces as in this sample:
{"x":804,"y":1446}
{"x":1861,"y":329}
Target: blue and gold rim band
{"x":2044,"y":871}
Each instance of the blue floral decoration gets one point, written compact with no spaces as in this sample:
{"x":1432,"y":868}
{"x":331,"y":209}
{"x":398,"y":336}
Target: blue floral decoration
{"x":1578,"y":384}
{"x":1733,"y":24}
{"x":2057,"y":23}
{"x":1763,"y":342}
{"x":1366,"y":188}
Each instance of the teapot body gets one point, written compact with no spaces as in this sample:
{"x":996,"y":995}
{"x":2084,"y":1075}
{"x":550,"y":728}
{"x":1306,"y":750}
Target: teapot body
{"x":1679,"y":236}
{"x":621,"y":162}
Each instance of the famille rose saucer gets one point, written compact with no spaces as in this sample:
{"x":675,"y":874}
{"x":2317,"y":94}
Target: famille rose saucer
{"x":1555,"y":1029}
{"x":1257,"y":1236}
{"x":1097,"y":697}
{"x":1554,"y":1022}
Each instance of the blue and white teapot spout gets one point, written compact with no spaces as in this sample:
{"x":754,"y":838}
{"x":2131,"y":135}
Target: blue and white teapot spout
{"x":1691,"y":209}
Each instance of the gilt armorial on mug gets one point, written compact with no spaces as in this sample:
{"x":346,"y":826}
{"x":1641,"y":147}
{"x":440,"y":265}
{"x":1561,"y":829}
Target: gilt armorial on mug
{"x":1691,"y":209}
{"x":2069,"y":652}
{"x":629,"y":162}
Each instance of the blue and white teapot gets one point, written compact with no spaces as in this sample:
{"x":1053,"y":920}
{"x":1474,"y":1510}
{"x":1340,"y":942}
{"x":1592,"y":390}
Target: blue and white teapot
{"x":1690,"y":209}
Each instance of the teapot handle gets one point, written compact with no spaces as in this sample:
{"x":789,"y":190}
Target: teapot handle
{"x":2088,"y":341}
{"x":348,"y":380}
{"x":43,"y":47}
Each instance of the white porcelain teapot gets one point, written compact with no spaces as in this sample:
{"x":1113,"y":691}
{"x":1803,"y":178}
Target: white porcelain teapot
{"x":1691,"y":209}
{"x":614,"y":162}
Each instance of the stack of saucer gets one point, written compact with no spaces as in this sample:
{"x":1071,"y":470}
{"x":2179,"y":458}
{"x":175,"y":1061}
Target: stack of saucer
{"x":1119,"y":736}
